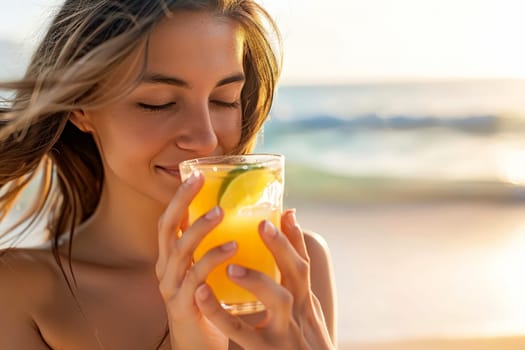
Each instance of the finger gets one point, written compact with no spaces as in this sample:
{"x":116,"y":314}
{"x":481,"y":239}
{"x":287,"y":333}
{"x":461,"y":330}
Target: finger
{"x":294,"y":233}
{"x":169,"y":222}
{"x":194,"y":234}
{"x":181,"y":297}
{"x":277,"y":299}
{"x":295,"y":270}
{"x":231,"y":326}
{"x":180,"y":258}
{"x":199,"y":271}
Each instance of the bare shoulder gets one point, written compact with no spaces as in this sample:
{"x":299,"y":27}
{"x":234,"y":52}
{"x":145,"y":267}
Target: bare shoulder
{"x":26,"y":277}
{"x":19,"y":266}
{"x":25,"y":274}
{"x":316,"y":245}
{"x":320,"y":258}
{"x":322,"y":277}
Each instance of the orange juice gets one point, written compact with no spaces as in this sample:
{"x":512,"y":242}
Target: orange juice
{"x":248,"y":194}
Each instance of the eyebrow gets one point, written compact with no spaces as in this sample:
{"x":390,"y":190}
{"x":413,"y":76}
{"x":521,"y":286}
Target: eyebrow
{"x":157,"y":78}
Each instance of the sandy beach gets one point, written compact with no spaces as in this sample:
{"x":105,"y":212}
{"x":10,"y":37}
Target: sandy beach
{"x":425,"y":274}
{"x":481,"y":343}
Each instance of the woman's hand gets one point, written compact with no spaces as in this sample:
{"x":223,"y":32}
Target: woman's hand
{"x":179,"y":278}
{"x":294,"y":319}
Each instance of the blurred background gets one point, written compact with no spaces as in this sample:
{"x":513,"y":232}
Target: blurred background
{"x":403,"y":125}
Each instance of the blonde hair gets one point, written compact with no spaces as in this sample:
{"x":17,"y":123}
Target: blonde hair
{"x":86,"y":42}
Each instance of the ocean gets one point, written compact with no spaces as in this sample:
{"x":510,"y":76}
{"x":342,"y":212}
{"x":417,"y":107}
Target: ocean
{"x":441,"y":133}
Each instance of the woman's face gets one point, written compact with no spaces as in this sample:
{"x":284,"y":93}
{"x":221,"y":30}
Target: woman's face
{"x":187,"y":106}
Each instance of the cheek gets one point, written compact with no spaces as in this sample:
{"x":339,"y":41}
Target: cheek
{"x":124,"y":144}
{"x":229,"y":132}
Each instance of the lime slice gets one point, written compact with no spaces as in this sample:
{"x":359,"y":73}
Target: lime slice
{"x":244,"y":187}
{"x":232,"y":174}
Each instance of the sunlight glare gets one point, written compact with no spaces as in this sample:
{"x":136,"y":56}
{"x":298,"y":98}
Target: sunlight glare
{"x":510,"y":270}
{"x":512,"y":167}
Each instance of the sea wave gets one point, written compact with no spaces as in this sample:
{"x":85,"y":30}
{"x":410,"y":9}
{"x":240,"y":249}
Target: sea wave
{"x":477,"y":124}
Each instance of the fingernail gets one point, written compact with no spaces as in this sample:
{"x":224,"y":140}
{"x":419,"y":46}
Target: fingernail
{"x":227,"y":247}
{"x":236,"y":271}
{"x":294,"y":218}
{"x":291,"y":223}
{"x":213,"y":214}
{"x":268,"y":229}
{"x":203,"y":292}
{"x":193,"y":177}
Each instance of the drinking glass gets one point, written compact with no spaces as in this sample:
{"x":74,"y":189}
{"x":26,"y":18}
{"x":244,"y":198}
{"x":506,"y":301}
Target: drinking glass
{"x":249,"y":189}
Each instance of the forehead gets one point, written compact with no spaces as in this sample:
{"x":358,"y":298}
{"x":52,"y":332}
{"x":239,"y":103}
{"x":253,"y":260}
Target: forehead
{"x":191,"y":41}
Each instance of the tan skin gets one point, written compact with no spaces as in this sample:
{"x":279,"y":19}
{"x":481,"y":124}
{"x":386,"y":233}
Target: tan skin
{"x":134,"y":276}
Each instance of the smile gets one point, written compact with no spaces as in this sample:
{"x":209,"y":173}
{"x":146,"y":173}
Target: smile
{"x":173,"y":171}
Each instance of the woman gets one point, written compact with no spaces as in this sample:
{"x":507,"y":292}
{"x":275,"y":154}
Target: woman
{"x":116,"y":95}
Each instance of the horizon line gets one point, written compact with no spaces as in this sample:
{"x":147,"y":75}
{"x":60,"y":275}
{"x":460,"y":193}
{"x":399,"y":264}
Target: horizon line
{"x":396,"y":80}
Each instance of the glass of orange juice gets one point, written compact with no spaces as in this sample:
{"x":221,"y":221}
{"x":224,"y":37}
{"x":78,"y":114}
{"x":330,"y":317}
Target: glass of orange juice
{"x":249,"y":189}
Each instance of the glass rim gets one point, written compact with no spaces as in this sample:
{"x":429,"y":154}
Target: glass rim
{"x":232,"y":160}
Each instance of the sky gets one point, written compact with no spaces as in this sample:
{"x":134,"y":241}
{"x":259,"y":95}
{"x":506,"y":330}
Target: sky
{"x":359,"y":40}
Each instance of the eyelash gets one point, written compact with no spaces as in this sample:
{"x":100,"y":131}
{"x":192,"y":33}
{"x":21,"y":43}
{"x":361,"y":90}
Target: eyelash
{"x":157,"y":108}
{"x":233,"y":105}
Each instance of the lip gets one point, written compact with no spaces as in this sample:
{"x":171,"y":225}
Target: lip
{"x":171,"y":170}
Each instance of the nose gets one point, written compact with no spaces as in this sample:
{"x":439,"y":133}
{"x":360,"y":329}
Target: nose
{"x":195,"y":130}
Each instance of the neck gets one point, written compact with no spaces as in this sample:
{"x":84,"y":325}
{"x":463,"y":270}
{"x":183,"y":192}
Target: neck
{"x":123,"y":230}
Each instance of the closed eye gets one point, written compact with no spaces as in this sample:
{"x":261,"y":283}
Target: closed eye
{"x":234,"y":104}
{"x":154,"y":108}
